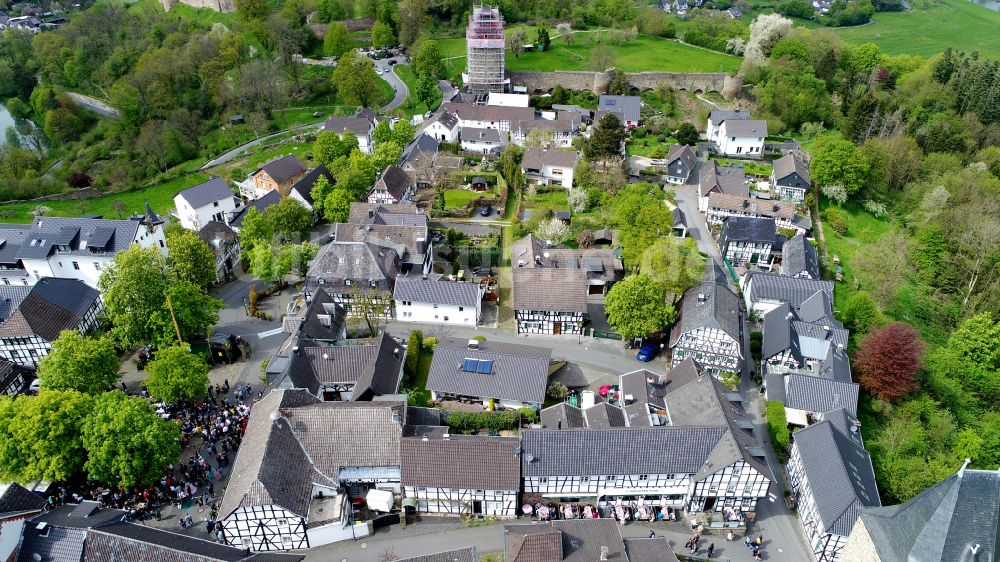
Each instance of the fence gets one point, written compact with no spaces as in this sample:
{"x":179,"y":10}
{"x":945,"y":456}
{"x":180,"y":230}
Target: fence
{"x":602,"y":335}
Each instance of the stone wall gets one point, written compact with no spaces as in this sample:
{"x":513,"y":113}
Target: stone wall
{"x":597,"y":82}
{"x":217,"y":5}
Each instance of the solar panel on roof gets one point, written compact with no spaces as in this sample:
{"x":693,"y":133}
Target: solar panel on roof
{"x":485,"y":366}
{"x":83,"y":510}
{"x":470,"y":365}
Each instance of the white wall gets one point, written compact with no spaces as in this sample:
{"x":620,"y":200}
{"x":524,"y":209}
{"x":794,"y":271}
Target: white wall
{"x":10,"y":536}
{"x":441,"y":133}
{"x":428,"y":313}
{"x":739,"y":145}
{"x":195,"y":219}
{"x":477,"y":146}
{"x":335,"y":532}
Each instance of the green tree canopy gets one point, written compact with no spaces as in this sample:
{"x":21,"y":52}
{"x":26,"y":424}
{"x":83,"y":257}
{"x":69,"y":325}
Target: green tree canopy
{"x":194,"y":311}
{"x":641,"y":219}
{"x":190,"y":258}
{"x":402,"y":132}
{"x":79,"y":363}
{"x":329,"y":147}
{"x":637,"y":306}
{"x":687,"y":134}
{"x":40,"y":436}
{"x":606,"y":140}
{"x":357,"y":82}
{"x":176,"y":374}
{"x":127,"y":443}
{"x":337,"y":40}
{"x":839,"y":162}
{"x":382,"y":133}
{"x":133,"y":287}
{"x":427,"y":60}
{"x":427,"y":91}
{"x":674,"y":263}
{"x":255,"y":229}
{"x":289,"y":219}
{"x":337,"y":206}
{"x":320,"y":190}
{"x":382,"y":35}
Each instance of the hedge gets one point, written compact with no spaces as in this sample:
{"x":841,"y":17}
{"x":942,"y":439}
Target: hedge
{"x":777,"y":428}
{"x":490,"y":421}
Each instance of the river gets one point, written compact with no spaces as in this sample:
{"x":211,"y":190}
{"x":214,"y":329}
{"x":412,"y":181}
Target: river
{"x":991,"y":4}
{"x":6,"y":122}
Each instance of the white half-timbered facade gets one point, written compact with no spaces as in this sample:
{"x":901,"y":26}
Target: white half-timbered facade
{"x":36,"y":315}
{"x":738,"y":486}
{"x":266,"y":527}
{"x":710,"y":329}
{"x":463,"y":502}
{"x":646,"y":489}
{"x":717,"y":350}
{"x":549,"y":322}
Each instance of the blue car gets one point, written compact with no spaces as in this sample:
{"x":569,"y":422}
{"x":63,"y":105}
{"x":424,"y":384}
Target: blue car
{"x":647,"y":352}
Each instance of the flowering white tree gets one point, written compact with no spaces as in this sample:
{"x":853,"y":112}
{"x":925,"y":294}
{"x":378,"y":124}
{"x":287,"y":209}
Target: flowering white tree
{"x":736,"y":46}
{"x":835,"y":193}
{"x":553,"y":230}
{"x":578,"y":200}
{"x":765,"y":31}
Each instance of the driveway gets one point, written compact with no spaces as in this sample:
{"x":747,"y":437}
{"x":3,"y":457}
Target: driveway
{"x":687,"y":200}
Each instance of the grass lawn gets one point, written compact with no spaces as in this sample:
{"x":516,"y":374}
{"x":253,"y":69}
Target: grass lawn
{"x":459,"y":198}
{"x":863,"y":228}
{"x":387,"y":90}
{"x":752,"y":168}
{"x":412,"y":106}
{"x":558,"y":200}
{"x":420,"y":396}
{"x":958,"y":24}
{"x":160,"y":197}
{"x":293,"y":116}
{"x":648,"y":146}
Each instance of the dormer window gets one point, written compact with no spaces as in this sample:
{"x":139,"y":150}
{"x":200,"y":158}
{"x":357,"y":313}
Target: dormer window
{"x":347,"y":282}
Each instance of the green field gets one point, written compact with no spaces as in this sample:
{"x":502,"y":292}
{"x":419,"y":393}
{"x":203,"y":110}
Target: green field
{"x":643,"y":54}
{"x":412,"y":107}
{"x":863,"y":228}
{"x":930,"y":28}
{"x":459,"y":198}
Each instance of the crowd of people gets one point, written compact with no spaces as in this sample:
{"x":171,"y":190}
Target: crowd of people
{"x":211,"y":433}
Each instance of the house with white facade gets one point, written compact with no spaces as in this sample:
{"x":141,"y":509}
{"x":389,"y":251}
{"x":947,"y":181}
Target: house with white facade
{"x":502,"y":374}
{"x":31,"y":318}
{"x":679,"y":163}
{"x":279,"y":174}
{"x":790,"y":178}
{"x":357,"y":373}
{"x":628,"y":108}
{"x":764,"y":291}
{"x":444,"y":128}
{"x":558,"y":133}
{"x":497,"y":117}
{"x":719,"y":116}
{"x":710,"y":329}
{"x":205,"y":202}
{"x":359,"y":126}
{"x":483,"y":141}
{"x":831,"y":478}
{"x":748,"y":240}
{"x":714,"y":179}
{"x":292,"y":485}
{"x":80,"y":248}
{"x":12,"y":271}
{"x":742,"y":137}
{"x":392,"y":187}
{"x":799,"y":258}
{"x":301,"y":190}
{"x":225,"y":244}
{"x":549,"y":166}
{"x":461,"y":475}
{"x":363,"y":271}
{"x":719,"y":206}
{"x":438,"y":301}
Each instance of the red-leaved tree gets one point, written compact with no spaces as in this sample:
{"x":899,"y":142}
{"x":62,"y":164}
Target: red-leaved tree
{"x":889,"y":359}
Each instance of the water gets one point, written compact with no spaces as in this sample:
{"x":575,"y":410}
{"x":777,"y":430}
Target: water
{"x":6,"y":122}
{"x":991,"y":4}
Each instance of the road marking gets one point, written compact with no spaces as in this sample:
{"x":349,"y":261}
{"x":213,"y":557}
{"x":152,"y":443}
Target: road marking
{"x":270,"y":333}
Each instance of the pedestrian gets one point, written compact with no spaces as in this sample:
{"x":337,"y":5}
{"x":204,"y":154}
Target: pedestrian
{"x":652,"y":534}
{"x":759,"y":541}
{"x":748,"y":542}
{"x":711,"y":549}
{"x":729,"y":536}
{"x":701,"y":529}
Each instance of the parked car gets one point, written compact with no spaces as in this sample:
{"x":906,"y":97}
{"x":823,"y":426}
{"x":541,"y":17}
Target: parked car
{"x":392,"y":62}
{"x":486,"y":211}
{"x":656,"y":162}
{"x":647,"y":352}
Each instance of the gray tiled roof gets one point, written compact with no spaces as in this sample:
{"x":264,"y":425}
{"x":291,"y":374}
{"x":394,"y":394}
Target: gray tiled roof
{"x":83,"y":515}
{"x":53,"y":305}
{"x":467,"y":554}
{"x":562,"y":415}
{"x":586,"y":452}
{"x":942,"y":523}
{"x":263,"y":202}
{"x":565,"y":123}
{"x":59,"y":544}
{"x":629,"y":107}
{"x":101,"y":236}
{"x":313,"y":328}
{"x":798,"y":255}
{"x":215,"y":189}
{"x":472,"y":462}
{"x":553,"y":289}
{"x":536,"y":158}
{"x":746,"y":128}
{"x":645,"y":385}
{"x":452,"y":293}
{"x":11,"y":238}
{"x":817,"y":394}
{"x":790,"y":164}
{"x":655,"y":549}
{"x":840,"y":473}
{"x":682,"y":152}
{"x":793,"y":290}
{"x":749,"y":229}
{"x":448,"y":119}
{"x":719,"y":115}
{"x":305,"y":185}
{"x":218,"y":236}
{"x":359,"y":262}
{"x":374,"y":368}
{"x":519,"y":372}
{"x":382,"y":213}
{"x":411,"y":238}
{"x":357,"y":125}
{"x":495,"y":113}
{"x":728,"y":180}
{"x":474,"y":134}
{"x":283,"y":169}
{"x":395,"y":181}
{"x":17,"y":499}
{"x":755,"y":207}
{"x":720,"y":309}
{"x":11,"y":297}
{"x":604,"y":415}
{"x":129,"y":542}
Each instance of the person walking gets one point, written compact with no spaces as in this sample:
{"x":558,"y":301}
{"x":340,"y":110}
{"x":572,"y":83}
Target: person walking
{"x":711,"y":549}
{"x":729,"y":536}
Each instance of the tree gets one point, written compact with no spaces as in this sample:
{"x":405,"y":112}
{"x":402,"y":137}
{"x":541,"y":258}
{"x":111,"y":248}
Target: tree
{"x":62,"y":126}
{"x":972,"y":357}
{"x":619,"y":85}
{"x":607,"y":138}
{"x":329,"y":147}
{"x":674,"y":263}
{"x":133,"y":288}
{"x":337,"y":40}
{"x":356,"y":81}
{"x":427,"y":91}
{"x":289,"y":219}
{"x":382,"y":133}
{"x":252,"y":9}
{"x":176,"y":374}
{"x":553,"y":230}
{"x":40,"y":437}
{"x":127,"y":443}
{"x":337,"y":206}
{"x":641,"y":219}
{"x":371,"y":305}
{"x":190,"y":258}
{"x":687,"y":134}
{"x":414,"y":347}
{"x":427,"y":60}
{"x":386,"y":154}
{"x":254,"y":230}
{"x":319,"y":192}
{"x":765,"y":31}
{"x":862,"y":312}
{"x":79,"y":363}
{"x":637,"y":306}
{"x":839,"y":162}
{"x":515,"y":42}
{"x":402,"y":133}
{"x":193,"y":311}
{"x":382,"y":35}
{"x":889,"y":359}
{"x":543,"y":37}
{"x":602,"y":57}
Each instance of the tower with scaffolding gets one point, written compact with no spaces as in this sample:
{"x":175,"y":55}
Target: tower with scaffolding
{"x":484,"y":68}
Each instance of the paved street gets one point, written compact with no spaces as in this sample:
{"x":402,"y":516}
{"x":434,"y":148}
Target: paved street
{"x":398,"y":86}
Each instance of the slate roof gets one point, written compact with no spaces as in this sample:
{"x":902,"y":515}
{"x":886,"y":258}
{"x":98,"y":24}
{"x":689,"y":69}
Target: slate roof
{"x":720,"y":310}
{"x":942,"y":523}
{"x":357,"y":125}
{"x":790,"y":164}
{"x":59,"y":544}
{"x":53,"y":305}
{"x":18,"y":499}
{"x":283,"y":169}
{"x":305,"y":185}
{"x":458,"y":555}
{"x":793,"y":290}
{"x":312,"y":328}
{"x":729,"y":180}
{"x":645,"y":386}
{"x":749,"y":229}
{"x":560,"y":290}
{"x":129,"y":542}
{"x":411,"y":239}
{"x":494,"y":113}
{"x":206,"y":193}
{"x":218,"y":236}
{"x":799,"y":255}
{"x":448,"y":119}
{"x":682,"y":152}
{"x":839,"y":472}
{"x":628,"y":107}
{"x":761,"y":207}
{"x":84,"y":236}
{"x":571,"y":540}
{"x":11,"y":297}
{"x":565,"y":123}
{"x":385,"y":213}
{"x":540,"y":542}
{"x":817,"y":394}
{"x":11,"y":238}
{"x":519,"y":372}
{"x":536,"y":158}
{"x":472,"y":462}
{"x":655,"y":549}
{"x":83,"y":515}
{"x":451,"y":293}
{"x":373,"y":368}
{"x":562,"y":415}
{"x":624,"y":450}
{"x":745,"y":128}
{"x":263,"y":202}
{"x":359,"y":262}
{"x":474,"y":134}
{"x":394,"y":181}
{"x":719,"y":115}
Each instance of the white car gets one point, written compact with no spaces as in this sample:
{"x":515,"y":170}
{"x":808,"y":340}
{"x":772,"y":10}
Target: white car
{"x":378,"y":69}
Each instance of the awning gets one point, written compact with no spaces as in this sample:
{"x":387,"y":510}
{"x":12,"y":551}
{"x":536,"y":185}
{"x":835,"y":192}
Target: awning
{"x":379,"y":500}
{"x":409,"y":502}
{"x":796,"y":417}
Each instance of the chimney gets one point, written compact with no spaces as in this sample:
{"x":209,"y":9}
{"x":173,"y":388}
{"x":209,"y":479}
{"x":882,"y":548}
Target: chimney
{"x":604,"y":553}
{"x":473,"y":344}
{"x":559,"y":425}
{"x":961,"y":471}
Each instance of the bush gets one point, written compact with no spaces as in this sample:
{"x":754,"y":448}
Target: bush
{"x":528,"y":415}
{"x":837,"y":219}
{"x":557,"y":391}
{"x":430,"y":343}
{"x":777,"y":428}
{"x":479,"y":338}
{"x":489,"y":421}
{"x":414,"y":345}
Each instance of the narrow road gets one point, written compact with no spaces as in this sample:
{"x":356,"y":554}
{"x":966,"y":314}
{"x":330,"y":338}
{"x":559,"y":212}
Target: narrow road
{"x":97,"y":106}
{"x":398,"y":86}
{"x":226,"y":157}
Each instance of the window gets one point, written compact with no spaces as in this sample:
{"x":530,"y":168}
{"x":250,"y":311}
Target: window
{"x":215,"y":204}
{"x":584,"y":479}
{"x":76,"y":266}
{"x":435,"y":306}
{"x":286,"y":540}
{"x":643,"y":477}
{"x":461,"y":308}
{"x":161,"y":244}
{"x":445,"y":318}
{"x":246,"y":542}
{"x":347,"y":282}
{"x":282,"y":522}
{"x":97,"y":266}
{"x":543,"y":480}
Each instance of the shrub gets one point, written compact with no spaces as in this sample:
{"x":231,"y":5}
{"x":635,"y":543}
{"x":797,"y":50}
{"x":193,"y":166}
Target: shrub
{"x":730,"y":379}
{"x":837,"y":219}
{"x":430,"y":343}
{"x":777,"y":428}
{"x":528,"y":415}
{"x":835,"y":193}
{"x":557,"y":391}
{"x":479,"y":338}
{"x":489,"y":421}
{"x":875,"y":208}
{"x":414,"y":346}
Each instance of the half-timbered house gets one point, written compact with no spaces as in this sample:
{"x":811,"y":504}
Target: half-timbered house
{"x":831,"y":478}
{"x":393,"y":186}
{"x":358,"y":372}
{"x":799,"y":258}
{"x":764,"y":291}
{"x":357,"y":275}
{"x":462,"y":475}
{"x":748,"y":240}
{"x":495,"y":373}
{"x":720,"y":180}
{"x":790,"y":178}
{"x":31,"y":318}
{"x":710,"y":329}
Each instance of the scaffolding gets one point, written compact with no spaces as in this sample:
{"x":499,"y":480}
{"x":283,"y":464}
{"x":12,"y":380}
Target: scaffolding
{"x":484,"y":69}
